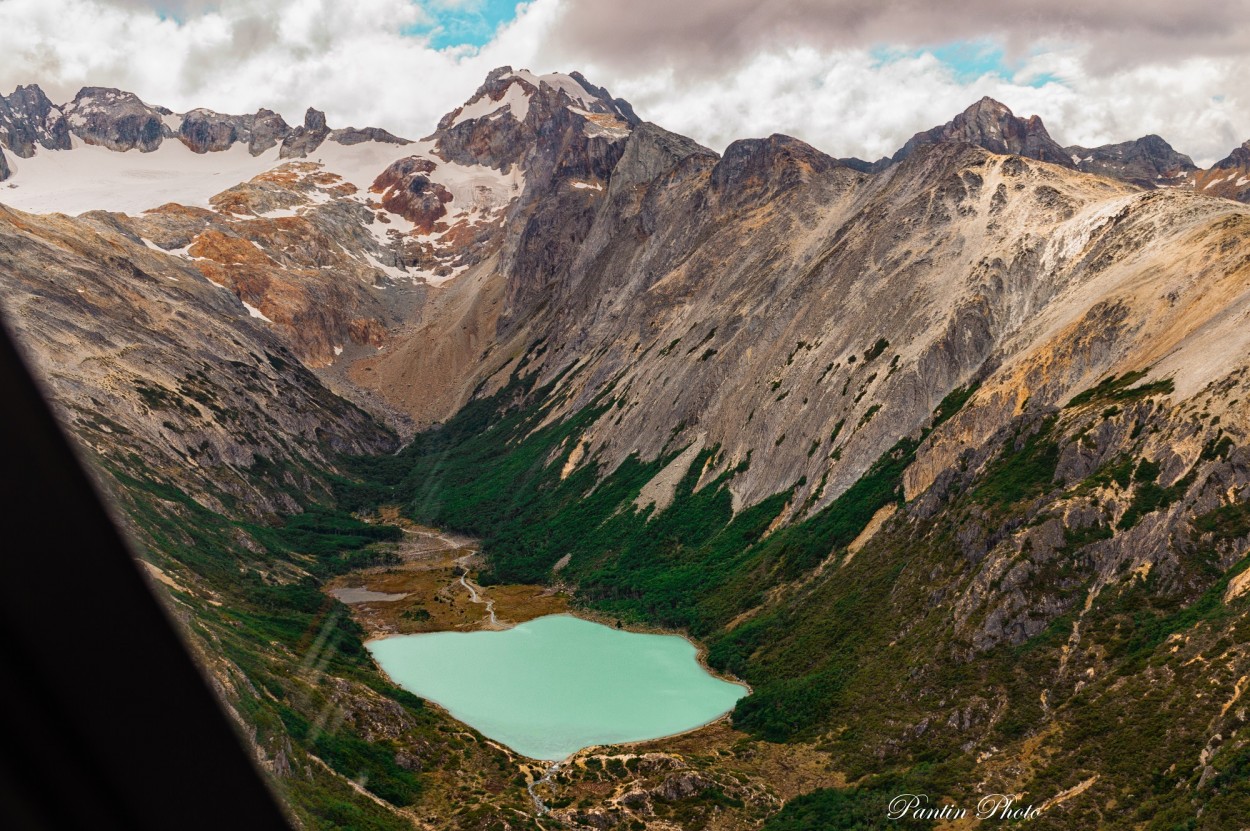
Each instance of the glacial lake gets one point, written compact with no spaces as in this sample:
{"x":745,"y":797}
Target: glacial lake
{"x":550,"y":687}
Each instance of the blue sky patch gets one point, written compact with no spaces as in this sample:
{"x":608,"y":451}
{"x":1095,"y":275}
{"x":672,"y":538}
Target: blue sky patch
{"x":969,"y":60}
{"x":471,"y":23}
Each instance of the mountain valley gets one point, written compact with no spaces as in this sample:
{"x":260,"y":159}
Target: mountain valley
{"x":945,"y":455}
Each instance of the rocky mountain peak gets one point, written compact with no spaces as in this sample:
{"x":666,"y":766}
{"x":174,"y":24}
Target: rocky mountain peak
{"x":772,"y":163}
{"x":314,"y":119}
{"x":1229,"y":177}
{"x":514,"y":111}
{"x":1148,"y":162}
{"x":117,"y":120}
{"x":121,"y":121}
{"x":1239,"y":158}
{"x":508,"y":92}
{"x":305,"y":139}
{"x":27,"y":119}
{"x":992,"y":125}
{"x":990,"y":106}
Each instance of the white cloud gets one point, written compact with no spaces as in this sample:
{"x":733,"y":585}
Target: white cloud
{"x":849,"y":102}
{"x":350,"y":59}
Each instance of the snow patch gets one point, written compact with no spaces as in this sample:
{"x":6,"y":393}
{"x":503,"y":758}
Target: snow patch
{"x":389,"y":270}
{"x":338,"y":350}
{"x":435,"y":280}
{"x":602,"y":125}
{"x":557,"y":80}
{"x":361,"y":163}
{"x":515,"y":97}
{"x":255,"y":312}
{"x":478,"y":186}
{"x":90,"y":177}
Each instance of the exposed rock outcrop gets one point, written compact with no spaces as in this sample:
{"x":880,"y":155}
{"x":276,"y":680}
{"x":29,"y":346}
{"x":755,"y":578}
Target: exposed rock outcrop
{"x":117,"y":120}
{"x":205,"y":131}
{"x":268,"y":129}
{"x":408,"y":191}
{"x":121,"y":121}
{"x":303,"y":140}
{"x":350,"y":135}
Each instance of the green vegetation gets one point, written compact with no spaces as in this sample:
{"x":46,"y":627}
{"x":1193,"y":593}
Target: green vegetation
{"x":1121,"y":389}
{"x":876,"y":349}
{"x":844,"y":809}
{"x":695,"y":565}
{"x":269,"y":621}
{"x":1024,"y":470}
{"x":1230,"y":522}
{"x":1149,"y":496}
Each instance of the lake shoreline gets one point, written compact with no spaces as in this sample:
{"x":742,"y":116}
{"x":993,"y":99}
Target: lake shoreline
{"x":454,"y":561}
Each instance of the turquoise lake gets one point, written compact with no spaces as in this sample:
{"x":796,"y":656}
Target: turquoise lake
{"x":550,"y":687}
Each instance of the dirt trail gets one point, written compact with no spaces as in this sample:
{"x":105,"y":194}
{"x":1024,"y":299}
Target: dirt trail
{"x":476,"y":593}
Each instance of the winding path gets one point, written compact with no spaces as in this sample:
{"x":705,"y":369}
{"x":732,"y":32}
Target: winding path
{"x":473,"y":590}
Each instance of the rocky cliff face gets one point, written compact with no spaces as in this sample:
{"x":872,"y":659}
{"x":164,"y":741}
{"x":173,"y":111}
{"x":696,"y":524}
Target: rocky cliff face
{"x":1148,"y":162}
{"x":182,"y":377}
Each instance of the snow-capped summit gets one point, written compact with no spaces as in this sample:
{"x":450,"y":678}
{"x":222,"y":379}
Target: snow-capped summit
{"x":509,"y":92}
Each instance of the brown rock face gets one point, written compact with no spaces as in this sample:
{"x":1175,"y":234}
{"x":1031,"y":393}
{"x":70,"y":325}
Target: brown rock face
{"x":761,"y":168}
{"x":180,"y":376}
{"x":407,"y":190}
{"x":268,"y":128}
{"x":350,"y":135}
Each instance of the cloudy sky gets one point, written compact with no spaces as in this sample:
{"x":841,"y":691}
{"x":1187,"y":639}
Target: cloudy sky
{"x":852,"y":77}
